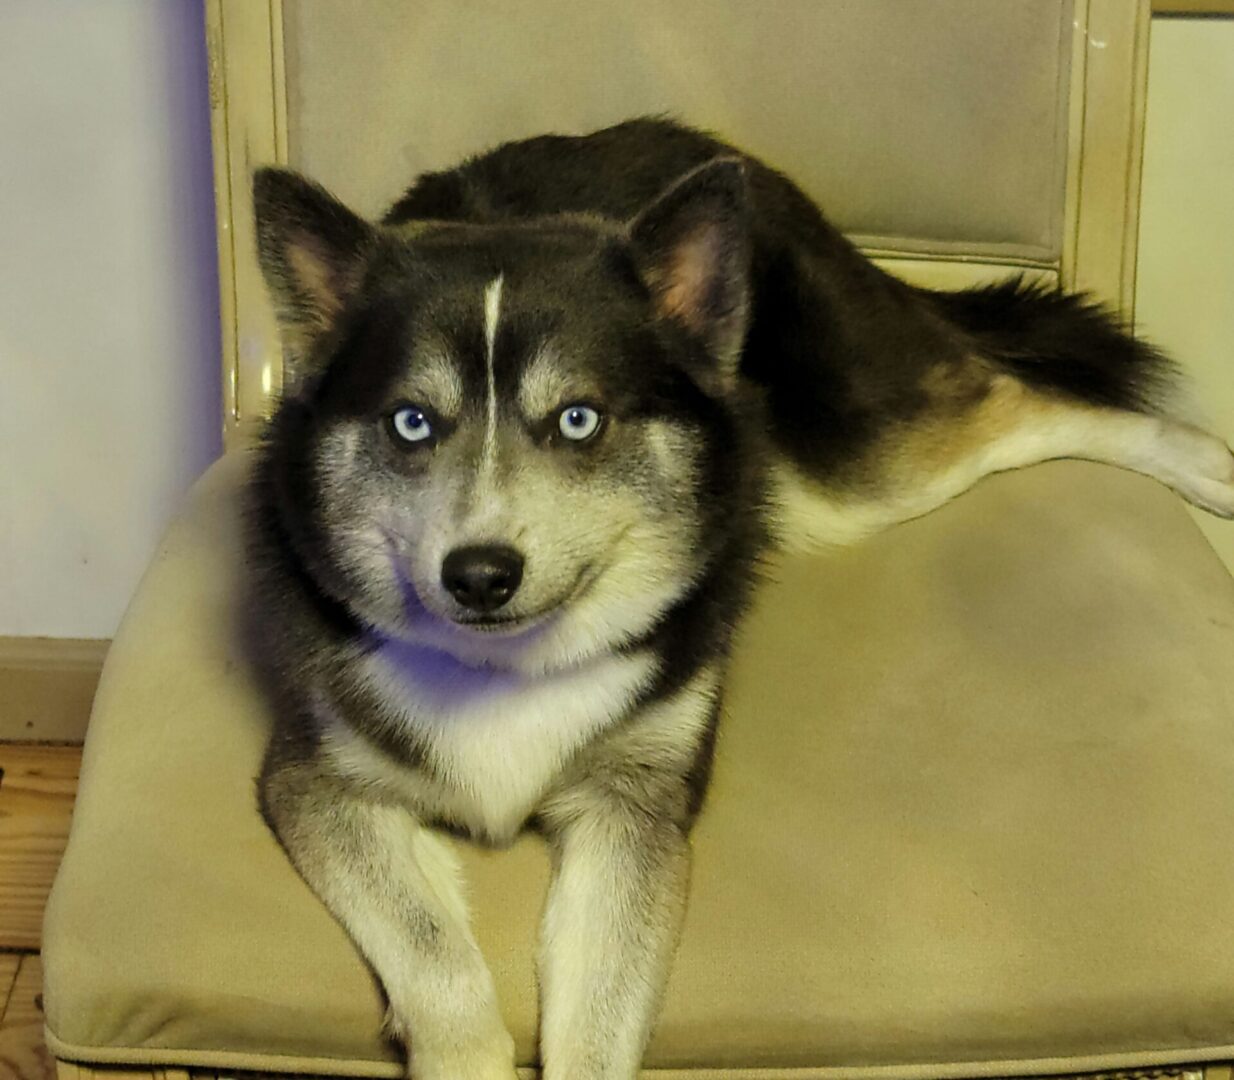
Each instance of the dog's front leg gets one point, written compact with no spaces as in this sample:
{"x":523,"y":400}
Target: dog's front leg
{"x":393,"y":885}
{"x":610,"y":928}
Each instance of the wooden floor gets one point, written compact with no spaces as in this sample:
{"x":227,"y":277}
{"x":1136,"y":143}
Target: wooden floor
{"x":37,"y":788}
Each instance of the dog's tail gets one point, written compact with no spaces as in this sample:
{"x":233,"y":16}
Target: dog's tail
{"x":1062,"y":342}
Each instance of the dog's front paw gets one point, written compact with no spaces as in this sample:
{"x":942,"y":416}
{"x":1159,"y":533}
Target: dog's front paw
{"x":470,"y":1058}
{"x":450,"y":1067}
{"x":458,"y":1035}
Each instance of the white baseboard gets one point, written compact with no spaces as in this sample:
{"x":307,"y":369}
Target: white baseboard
{"x":47,"y":686}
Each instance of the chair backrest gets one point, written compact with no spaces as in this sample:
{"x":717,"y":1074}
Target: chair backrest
{"x":955,"y":140}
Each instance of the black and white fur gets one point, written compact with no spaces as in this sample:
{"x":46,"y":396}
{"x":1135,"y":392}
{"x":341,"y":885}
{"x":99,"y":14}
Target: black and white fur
{"x":753,"y":375}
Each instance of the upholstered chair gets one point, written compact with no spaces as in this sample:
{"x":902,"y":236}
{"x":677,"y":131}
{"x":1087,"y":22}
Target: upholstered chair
{"x":973,"y":812}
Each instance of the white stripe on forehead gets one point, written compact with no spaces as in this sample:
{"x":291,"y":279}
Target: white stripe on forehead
{"x":492,"y":310}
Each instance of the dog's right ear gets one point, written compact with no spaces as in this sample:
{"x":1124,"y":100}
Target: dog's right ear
{"x":313,"y":252}
{"x":693,"y":249}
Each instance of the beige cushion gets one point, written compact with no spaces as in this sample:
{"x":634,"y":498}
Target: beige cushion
{"x":937,"y":125}
{"x":973,"y":814}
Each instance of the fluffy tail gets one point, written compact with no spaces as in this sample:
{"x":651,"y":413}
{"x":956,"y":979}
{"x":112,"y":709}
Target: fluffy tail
{"x":1067,"y":343}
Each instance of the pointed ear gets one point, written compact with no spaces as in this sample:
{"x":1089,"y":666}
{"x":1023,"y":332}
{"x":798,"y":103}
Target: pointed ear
{"x":312,"y":251}
{"x":692,"y":246}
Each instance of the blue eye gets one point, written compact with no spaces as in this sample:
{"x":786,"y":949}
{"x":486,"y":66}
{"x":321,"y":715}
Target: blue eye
{"x":411,"y":424}
{"x":578,"y":422}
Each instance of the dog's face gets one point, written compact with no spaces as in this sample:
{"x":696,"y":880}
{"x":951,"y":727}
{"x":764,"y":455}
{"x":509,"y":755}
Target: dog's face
{"x":508,"y":441}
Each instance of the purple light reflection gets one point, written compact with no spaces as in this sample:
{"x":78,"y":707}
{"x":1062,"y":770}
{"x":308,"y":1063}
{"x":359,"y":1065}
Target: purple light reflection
{"x":442,"y":682}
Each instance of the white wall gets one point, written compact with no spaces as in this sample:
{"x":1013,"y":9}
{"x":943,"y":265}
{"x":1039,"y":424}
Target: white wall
{"x":109,"y":368}
{"x":1185,"y":284}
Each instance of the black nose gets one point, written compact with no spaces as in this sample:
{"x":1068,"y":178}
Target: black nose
{"x":482,"y":577}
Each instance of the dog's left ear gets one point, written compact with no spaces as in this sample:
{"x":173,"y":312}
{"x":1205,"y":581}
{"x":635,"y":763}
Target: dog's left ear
{"x":692,"y":247}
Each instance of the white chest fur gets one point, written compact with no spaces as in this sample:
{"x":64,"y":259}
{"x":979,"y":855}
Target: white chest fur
{"x":495,"y":740}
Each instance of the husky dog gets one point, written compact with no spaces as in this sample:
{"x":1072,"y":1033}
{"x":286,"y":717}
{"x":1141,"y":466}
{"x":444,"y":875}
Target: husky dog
{"x":540,"y":423}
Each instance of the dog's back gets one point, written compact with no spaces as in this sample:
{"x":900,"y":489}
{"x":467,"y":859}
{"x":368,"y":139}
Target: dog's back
{"x":883,"y":400}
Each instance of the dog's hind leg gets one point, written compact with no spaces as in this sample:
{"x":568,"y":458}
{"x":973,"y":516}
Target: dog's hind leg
{"x":1195,"y":464}
{"x":916,"y":466}
{"x":977,"y":382}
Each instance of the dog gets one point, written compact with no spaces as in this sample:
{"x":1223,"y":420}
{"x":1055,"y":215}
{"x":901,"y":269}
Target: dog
{"x":540,"y":424}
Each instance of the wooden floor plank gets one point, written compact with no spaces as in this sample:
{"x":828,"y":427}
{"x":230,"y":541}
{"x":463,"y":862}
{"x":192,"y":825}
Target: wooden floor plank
{"x":22,"y":1053}
{"x":37,"y":788}
{"x":9,"y":963}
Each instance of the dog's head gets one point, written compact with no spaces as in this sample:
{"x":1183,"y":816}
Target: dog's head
{"x":512,"y":441}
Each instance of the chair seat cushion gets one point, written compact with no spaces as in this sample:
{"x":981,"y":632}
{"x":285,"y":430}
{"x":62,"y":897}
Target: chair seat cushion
{"x":973,"y":815}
